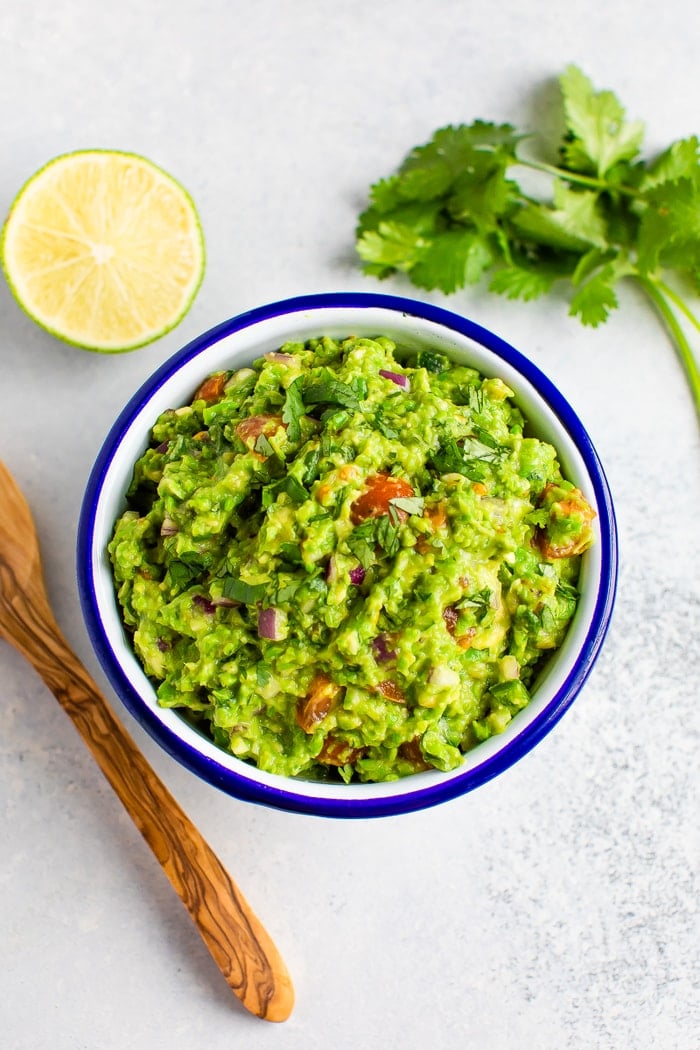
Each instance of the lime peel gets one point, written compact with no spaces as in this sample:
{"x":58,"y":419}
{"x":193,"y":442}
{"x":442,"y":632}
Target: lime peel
{"x":103,"y":249}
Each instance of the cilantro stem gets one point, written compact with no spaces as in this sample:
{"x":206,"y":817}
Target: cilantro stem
{"x":581,"y":180}
{"x":682,"y":306}
{"x":658,"y":292}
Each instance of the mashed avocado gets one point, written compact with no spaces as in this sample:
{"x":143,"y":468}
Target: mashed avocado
{"x":342,"y":562}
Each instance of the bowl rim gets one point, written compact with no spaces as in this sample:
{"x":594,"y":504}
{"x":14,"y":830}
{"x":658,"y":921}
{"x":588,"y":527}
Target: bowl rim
{"x":289,"y":797}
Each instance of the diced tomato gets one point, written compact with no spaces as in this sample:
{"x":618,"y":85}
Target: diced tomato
{"x":451,"y":615}
{"x":249,"y":430}
{"x":391,"y":691}
{"x":553,"y":540}
{"x":412,"y":752}
{"x":314,"y":707}
{"x":376,"y":499}
{"x":212,"y":389}
{"x":465,"y":640}
{"x":338,"y":753}
{"x":436,"y":515}
{"x":348,"y":472}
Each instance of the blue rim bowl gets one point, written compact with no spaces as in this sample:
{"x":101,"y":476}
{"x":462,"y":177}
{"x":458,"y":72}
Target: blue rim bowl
{"x":237,"y":342}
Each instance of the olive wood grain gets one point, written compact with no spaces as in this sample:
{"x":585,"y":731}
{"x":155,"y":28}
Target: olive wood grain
{"x":240,"y":946}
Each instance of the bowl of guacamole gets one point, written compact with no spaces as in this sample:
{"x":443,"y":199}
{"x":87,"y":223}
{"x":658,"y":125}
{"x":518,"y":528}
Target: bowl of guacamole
{"x":347,"y":554}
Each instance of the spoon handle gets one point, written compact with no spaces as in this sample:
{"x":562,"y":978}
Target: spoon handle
{"x":240,"y":946}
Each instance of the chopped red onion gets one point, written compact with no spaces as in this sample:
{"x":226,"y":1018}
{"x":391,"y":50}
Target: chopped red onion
{"x":163,"y":447}
{"x":168,"y":528}
{"x":269,"y":623}
{"x":205,"y":604}
{"x":224,"y":603}
{"x":281,"y":359}
{"x":382,"y":652}
{"x":357,"y":575}
{"x":396,"y":377}
{"x":331,"y":570}
{"x":450,"y":615}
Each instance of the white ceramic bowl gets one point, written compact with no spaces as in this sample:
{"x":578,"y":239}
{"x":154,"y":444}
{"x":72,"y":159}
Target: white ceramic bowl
{"x":236,"y":343}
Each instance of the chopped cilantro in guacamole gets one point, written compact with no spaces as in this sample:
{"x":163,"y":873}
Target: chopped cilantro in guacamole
{"x":348,"y":562}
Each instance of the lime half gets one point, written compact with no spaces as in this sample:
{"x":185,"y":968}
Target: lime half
{"x":103,"y":249}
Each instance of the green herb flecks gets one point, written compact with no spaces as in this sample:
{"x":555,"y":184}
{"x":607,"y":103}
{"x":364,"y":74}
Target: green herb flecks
{"x":408,"y":504}
{"x":454,"y":213}
{"x":362,"y":543}
{"x":263,"y":446}
{"x":246,"y":593}
{"x":472,"y":456}
{"x":293,"y":410}
{"x":432,"y":362}
{"x":290,"y":485}
{"x":373,"y":536}
{"x":480,"y":603}
{"x":325,"y":395}
{"x":330,"y":391}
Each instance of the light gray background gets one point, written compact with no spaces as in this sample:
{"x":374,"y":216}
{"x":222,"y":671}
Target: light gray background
{"x":554,"y":908}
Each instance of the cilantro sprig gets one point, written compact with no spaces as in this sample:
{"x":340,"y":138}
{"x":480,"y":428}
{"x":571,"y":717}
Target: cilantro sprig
{"x":453,"y":213}
{"x":308,"y":394}
{"x":471,"y":456}
{"x":383,"y":531}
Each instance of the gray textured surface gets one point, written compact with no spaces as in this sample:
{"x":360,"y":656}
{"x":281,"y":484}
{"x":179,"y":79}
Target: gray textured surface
{"x":554,"y":908}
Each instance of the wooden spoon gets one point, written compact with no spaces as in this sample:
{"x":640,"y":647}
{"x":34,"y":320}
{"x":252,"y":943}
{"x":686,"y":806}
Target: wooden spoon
{"x":240,"y":946}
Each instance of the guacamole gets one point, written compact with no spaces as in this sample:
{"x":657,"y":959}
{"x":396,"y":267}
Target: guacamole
{"x":347,"y":561}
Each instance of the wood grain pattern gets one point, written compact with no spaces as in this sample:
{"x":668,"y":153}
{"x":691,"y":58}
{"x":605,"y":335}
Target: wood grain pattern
{"x":241,"y":947}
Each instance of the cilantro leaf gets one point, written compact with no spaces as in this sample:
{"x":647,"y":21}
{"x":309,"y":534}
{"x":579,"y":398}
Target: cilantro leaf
{"x":245,"y":593}
{"x":263,"y":446}
{"x":595,"y":298}
{"x":362,"y":542}
{"x":470,"y":457}
{"x":480,"y":602}
{"x":680,"y":161}
{"x":288,"y":484}
{"x":290,"y":553}
{"x":384,"y":195}
{"x":365,"y":538}
{"x":409,"y":504}
{"x":420,"y":216}
{"x":599,"y":135}
{"x":293,"y":410}
{"x":429,"y":170}
{"x":483,"y":194}
{"x":451,"y":260}
{"x":573,"y":223}
{"x":448,"y":458}
{"x":392,"y":246}
{"x":486,"y":439}
{"x":382,"y":426}
{"x":417,"y":218}
{"x":596,"y":277}
{"x":670,"y":226}
{"x":311,"y":462}
{"x":387,"y":532}
{"x":521,"y":282}
{"x":181,"y":574}
{"x":330,"y":391}
{"x":453,"y":213}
